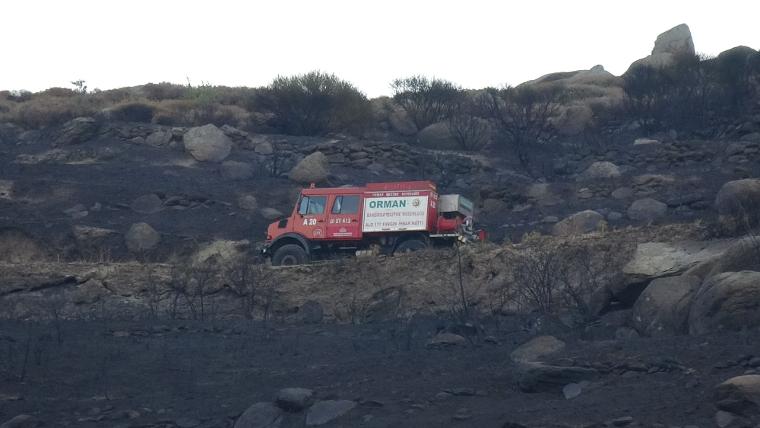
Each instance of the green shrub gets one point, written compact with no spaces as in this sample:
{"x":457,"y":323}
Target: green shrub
{"x":314,"y":103}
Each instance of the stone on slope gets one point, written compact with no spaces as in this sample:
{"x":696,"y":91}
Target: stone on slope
{"x":647,"y":210}
{"x":147,"y":204}
{"x":234,"y":170}
{"x":663,"y":307}
{"x":600,"y":170}
{"x":739,"y":395}
{"x":437,"y":136}
{"x":314,"y":168}
{"x":294,"y":399}
{"x":537,"y":348}
{"x":738,"y":205}
{"x":76,"y":131}
{"x":326,"y":411}
{"x":141,"y":237}
{"x":579,"y":224}
{"x":260,"y":415}
{"x":539,"y":377}
{"x":727,"y":301}
{"x":207,"y":143}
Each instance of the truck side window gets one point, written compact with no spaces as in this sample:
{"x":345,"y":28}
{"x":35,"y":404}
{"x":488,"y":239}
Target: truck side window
{"x":317,"y":204}
{"x":346,"y":205}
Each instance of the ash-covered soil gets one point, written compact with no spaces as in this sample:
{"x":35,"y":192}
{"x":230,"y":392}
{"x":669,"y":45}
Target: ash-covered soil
{"x":180,"y":373}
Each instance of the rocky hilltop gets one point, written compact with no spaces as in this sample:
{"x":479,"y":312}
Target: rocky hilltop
{"x":620,"y":286}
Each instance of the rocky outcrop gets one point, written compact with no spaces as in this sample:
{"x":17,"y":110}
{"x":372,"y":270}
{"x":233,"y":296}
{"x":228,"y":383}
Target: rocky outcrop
{"x":738,"y":205}
{"x":314,"y":168}
{"x":669,"y":45}
{"x":727,"y":301}
{"x":260,"y":415}
{"x":76,"y":131}
{"x":326,"y":411}
{"x":662,"y":309}
{"x":207,"y":143}
{"x":579,"y":224}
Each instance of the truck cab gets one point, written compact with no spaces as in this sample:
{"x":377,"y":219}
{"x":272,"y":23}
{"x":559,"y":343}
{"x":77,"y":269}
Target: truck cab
{"x":382,"y":217}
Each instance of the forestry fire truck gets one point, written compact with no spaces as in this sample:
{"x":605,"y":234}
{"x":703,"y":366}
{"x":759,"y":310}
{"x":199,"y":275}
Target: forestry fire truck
{"x":386,"y":218}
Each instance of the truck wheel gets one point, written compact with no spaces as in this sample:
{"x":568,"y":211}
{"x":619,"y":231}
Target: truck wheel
{"x":289,"y":255}
{"x":410,"y":245}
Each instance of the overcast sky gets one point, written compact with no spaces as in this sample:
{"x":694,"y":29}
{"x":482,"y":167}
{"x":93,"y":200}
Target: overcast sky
{"x":475,"y":43}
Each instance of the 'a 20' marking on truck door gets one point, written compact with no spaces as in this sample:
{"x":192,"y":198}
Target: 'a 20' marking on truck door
{"x":309,"y":222}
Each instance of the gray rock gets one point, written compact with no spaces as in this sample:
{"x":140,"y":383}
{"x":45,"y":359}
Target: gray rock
{"x":401,"y":123}
{"x":675,"y":41}
{"x":264,"y":148}
{"x":294,"y":399}
{"x":739,"y":395}
{"x":260,"y":415}
{"x":270,"y":213}
{"x":738,"y":204}
{"x":207,"y":143}
{"x":147,"y":204}
{"x":247,"y":202}
{"x":622,"y":193}
{"x":445,"y":340}
{"x":727,"y":301}
{"x":234,"y":170}
{"x":724,"y":419}
{"x":662,"y":309}
{"x":323,"y":412}
{"x":539,"y":377}
{"x":159,"y":138}
{"x":645,"y":142}
{"x":77,"y":211}
{"x":647,"y":210}
{"x":600,"y":170}
{"x":141,"y":237}
{"x":572,"y":390}
{"x":579,"y":224}
{"x":537,"y":348}
{"x":729,"y":256}
{"x":614,"y":216}
{"x":314,"y":168}
{"x":76,"y":131}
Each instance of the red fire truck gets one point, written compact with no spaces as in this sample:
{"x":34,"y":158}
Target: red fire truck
{"x":379,"y":217}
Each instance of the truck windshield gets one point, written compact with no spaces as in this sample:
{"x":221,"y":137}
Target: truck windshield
{"x":312,"y":205}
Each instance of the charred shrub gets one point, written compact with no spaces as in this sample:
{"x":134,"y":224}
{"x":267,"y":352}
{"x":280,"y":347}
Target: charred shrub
{"x":133,"y":112}
{"x":164,"y":91}
{"x":314,"y":103}
{"x":427,"y":100}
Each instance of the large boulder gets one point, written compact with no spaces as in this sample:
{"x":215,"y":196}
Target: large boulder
{"x":207,"y":143}
{"x":76,"y":131}
{"x":294,"y":399}
{"x":579,"y":224}
{"x":738,"y":205}
{"x":727,"y":301}
{"x":647,"y":210}
{"x":662,"y":309}
{"x":147,"y":204}
{"x":141,"y":237}
{"x":314,"y":168}
{"x":260,"y":415}
{"x":437,"y":136}
{"x":600,"y":170}
{"x":737,"y":255}
{"x":537,"y":348}
{"x":669,"y":46}
{"x":740,"y":394}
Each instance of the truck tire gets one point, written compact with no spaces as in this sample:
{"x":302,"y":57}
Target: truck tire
{"x":289,"y":255}
{"x":410,"y":245}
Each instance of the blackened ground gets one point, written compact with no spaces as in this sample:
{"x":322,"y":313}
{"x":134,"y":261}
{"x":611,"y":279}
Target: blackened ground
{"x":106,"y":373}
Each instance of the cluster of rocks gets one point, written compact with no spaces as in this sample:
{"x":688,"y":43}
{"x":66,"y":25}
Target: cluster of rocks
{"x":288,"y":407}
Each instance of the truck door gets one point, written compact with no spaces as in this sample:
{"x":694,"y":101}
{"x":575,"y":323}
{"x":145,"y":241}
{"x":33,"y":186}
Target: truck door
{"x":344,"y":219}
{"x":311,"y":211}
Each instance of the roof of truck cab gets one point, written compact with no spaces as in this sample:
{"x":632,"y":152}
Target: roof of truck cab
{"x":372,"y":187}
